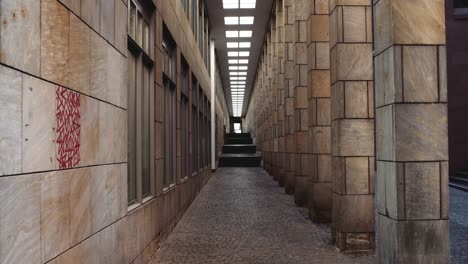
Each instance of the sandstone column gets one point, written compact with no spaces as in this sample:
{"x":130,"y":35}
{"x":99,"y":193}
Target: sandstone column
{"x":412,"y":138}
{"x":281,"y":92}
{"x":352,"y":124}
{"x":320,"y":175}
{"x":289,"y":76}
{"x":301,"y":118}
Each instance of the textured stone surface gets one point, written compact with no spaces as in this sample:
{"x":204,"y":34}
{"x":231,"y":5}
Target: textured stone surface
{"x":241,"y":216}
{"x":39,"y":121}
{"x":10,"y":132}
{"x":55,"y":30}
{"x":20,"y":219}
{"x":20,"y":34}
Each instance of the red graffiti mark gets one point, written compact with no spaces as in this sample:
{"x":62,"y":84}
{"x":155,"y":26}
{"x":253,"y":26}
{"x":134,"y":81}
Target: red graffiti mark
{"x":68,"y":127}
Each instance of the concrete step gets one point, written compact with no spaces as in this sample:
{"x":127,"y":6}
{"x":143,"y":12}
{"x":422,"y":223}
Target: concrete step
{"x":238,"y":141}
{"x":240,"y":148}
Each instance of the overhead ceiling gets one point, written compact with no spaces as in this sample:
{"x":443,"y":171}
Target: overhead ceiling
{"x":217,"y":13}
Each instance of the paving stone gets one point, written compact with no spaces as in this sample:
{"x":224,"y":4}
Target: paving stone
{"x":242,"y":216}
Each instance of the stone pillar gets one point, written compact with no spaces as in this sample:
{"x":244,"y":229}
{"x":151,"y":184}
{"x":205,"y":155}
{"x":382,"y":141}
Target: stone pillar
{"x":301,"y":118}
{"x":281,"y":92}
{"x":289,"y":76}
{"x":411,"y":124}
{"x":352,"y":124}
{"x":275,"y":101}
{"x":320,"y":175}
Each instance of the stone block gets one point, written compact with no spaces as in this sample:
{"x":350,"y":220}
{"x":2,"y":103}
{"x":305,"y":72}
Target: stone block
{"x":55,"y":216}
{"x":321,"y":140}
{"x":322,"y":55}
{"x":121,"y":27}
{"x":354,"y":24}
{"x":353,"y":137}
{"x":337,"y":101}
{"x":420,"y":74}
{"x":80,"y":201}
{"x":10,"y":132}
{"x":89,"y":137}
{"x":21,"y":35}
{"x":390,"y":189}
{"x":323,"y":111}
{"x":339,"y":174}
{"x":80,"y":55}
{"x":356,"y":101}
{"x":107,"y":20}
{"x":73,"y":5}
{"x":99,"y":67}
{"x":353,"y":213}
{"x":324,"y":168}
{"x":20,"y":219}
{"x":357,"y":175}
{"x":320,"y":83}
{"x":413,"y":241}
{"x":421,"y":132}
{"x":117,"y":78}
{"x":319,"y":28}
{"x":422,"y":191}
{"x":55,"y":30}
{"x":90,"y":13}
{"x":388,"y":77}
{"x":39,"y":122}
{"x":442,"y":73}
{"x":351,"y":62}
{"x":418,"y":22}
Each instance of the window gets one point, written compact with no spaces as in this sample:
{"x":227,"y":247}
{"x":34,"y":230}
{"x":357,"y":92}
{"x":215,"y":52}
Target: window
{"x":195,"y":139}
{"x":140,"y":79}
{"x":194,"y":17}
{"x":201,"y":134}
{"x":169,"y":82}
{"x":461,"y":8}
{"x":460,"y":3}
{"x":185,"y":4}
{"x":200,"y":27}
{"x":184,"y":114}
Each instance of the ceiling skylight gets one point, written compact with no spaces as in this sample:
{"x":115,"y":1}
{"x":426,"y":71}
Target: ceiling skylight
{"x":235,"y":20}
{"x":238,"y":33}
{"x":238,"y":61}
{"x":236,"y":4}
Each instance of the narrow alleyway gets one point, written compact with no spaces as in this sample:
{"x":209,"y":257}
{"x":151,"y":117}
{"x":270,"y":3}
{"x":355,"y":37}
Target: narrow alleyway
{"x":242,"y":216}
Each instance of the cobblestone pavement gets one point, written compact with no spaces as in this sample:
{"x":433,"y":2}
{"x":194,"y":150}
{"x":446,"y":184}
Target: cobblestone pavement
{"x":458,"y":226}
{"x":242,"y":216}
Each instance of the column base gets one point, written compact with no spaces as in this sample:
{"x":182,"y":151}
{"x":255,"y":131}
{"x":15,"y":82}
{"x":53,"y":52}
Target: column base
{"x":353,"y":242}
{"x":320,"y":202}
{"x":300,"y":191}
{"x":289,"y":184}
{"x":281,"y":178}
{"x":415,"y":242}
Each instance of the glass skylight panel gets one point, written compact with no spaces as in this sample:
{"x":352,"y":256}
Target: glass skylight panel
{"x":238,"y":86}
{"x":245,"y":33}
{"x":247,"y":4}
{"x":238,"y":82}
{"x":232,"y":34}
{"x":238,"y":68}
{"x":230,"y":4}
{"x":234,"y":78}
{"x":244,"y":44}
{"x":243,"y":78}
{"x":243,"y":61}
{"x":244,"y":53}
{"x":246,"y":20}
{"x":233,"y":54}
{"x":233,"y":73}
{"x":231,"y":20}
{"x":242,"y":73}
{"x":233,"y":61}
{"x":233,"y":45}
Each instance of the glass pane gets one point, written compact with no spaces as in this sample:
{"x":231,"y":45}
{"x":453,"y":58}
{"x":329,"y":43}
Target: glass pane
{"x":132,"y":22}
{"x":461,"y":4}
{"x":146,"y":188}
{"x":139,"y":32}
{"x":146,"y":37}
{"x":131,"y":130}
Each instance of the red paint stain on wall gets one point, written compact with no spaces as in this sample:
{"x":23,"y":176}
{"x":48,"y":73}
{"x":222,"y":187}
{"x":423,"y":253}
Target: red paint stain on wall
{"x":68,"y":127}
